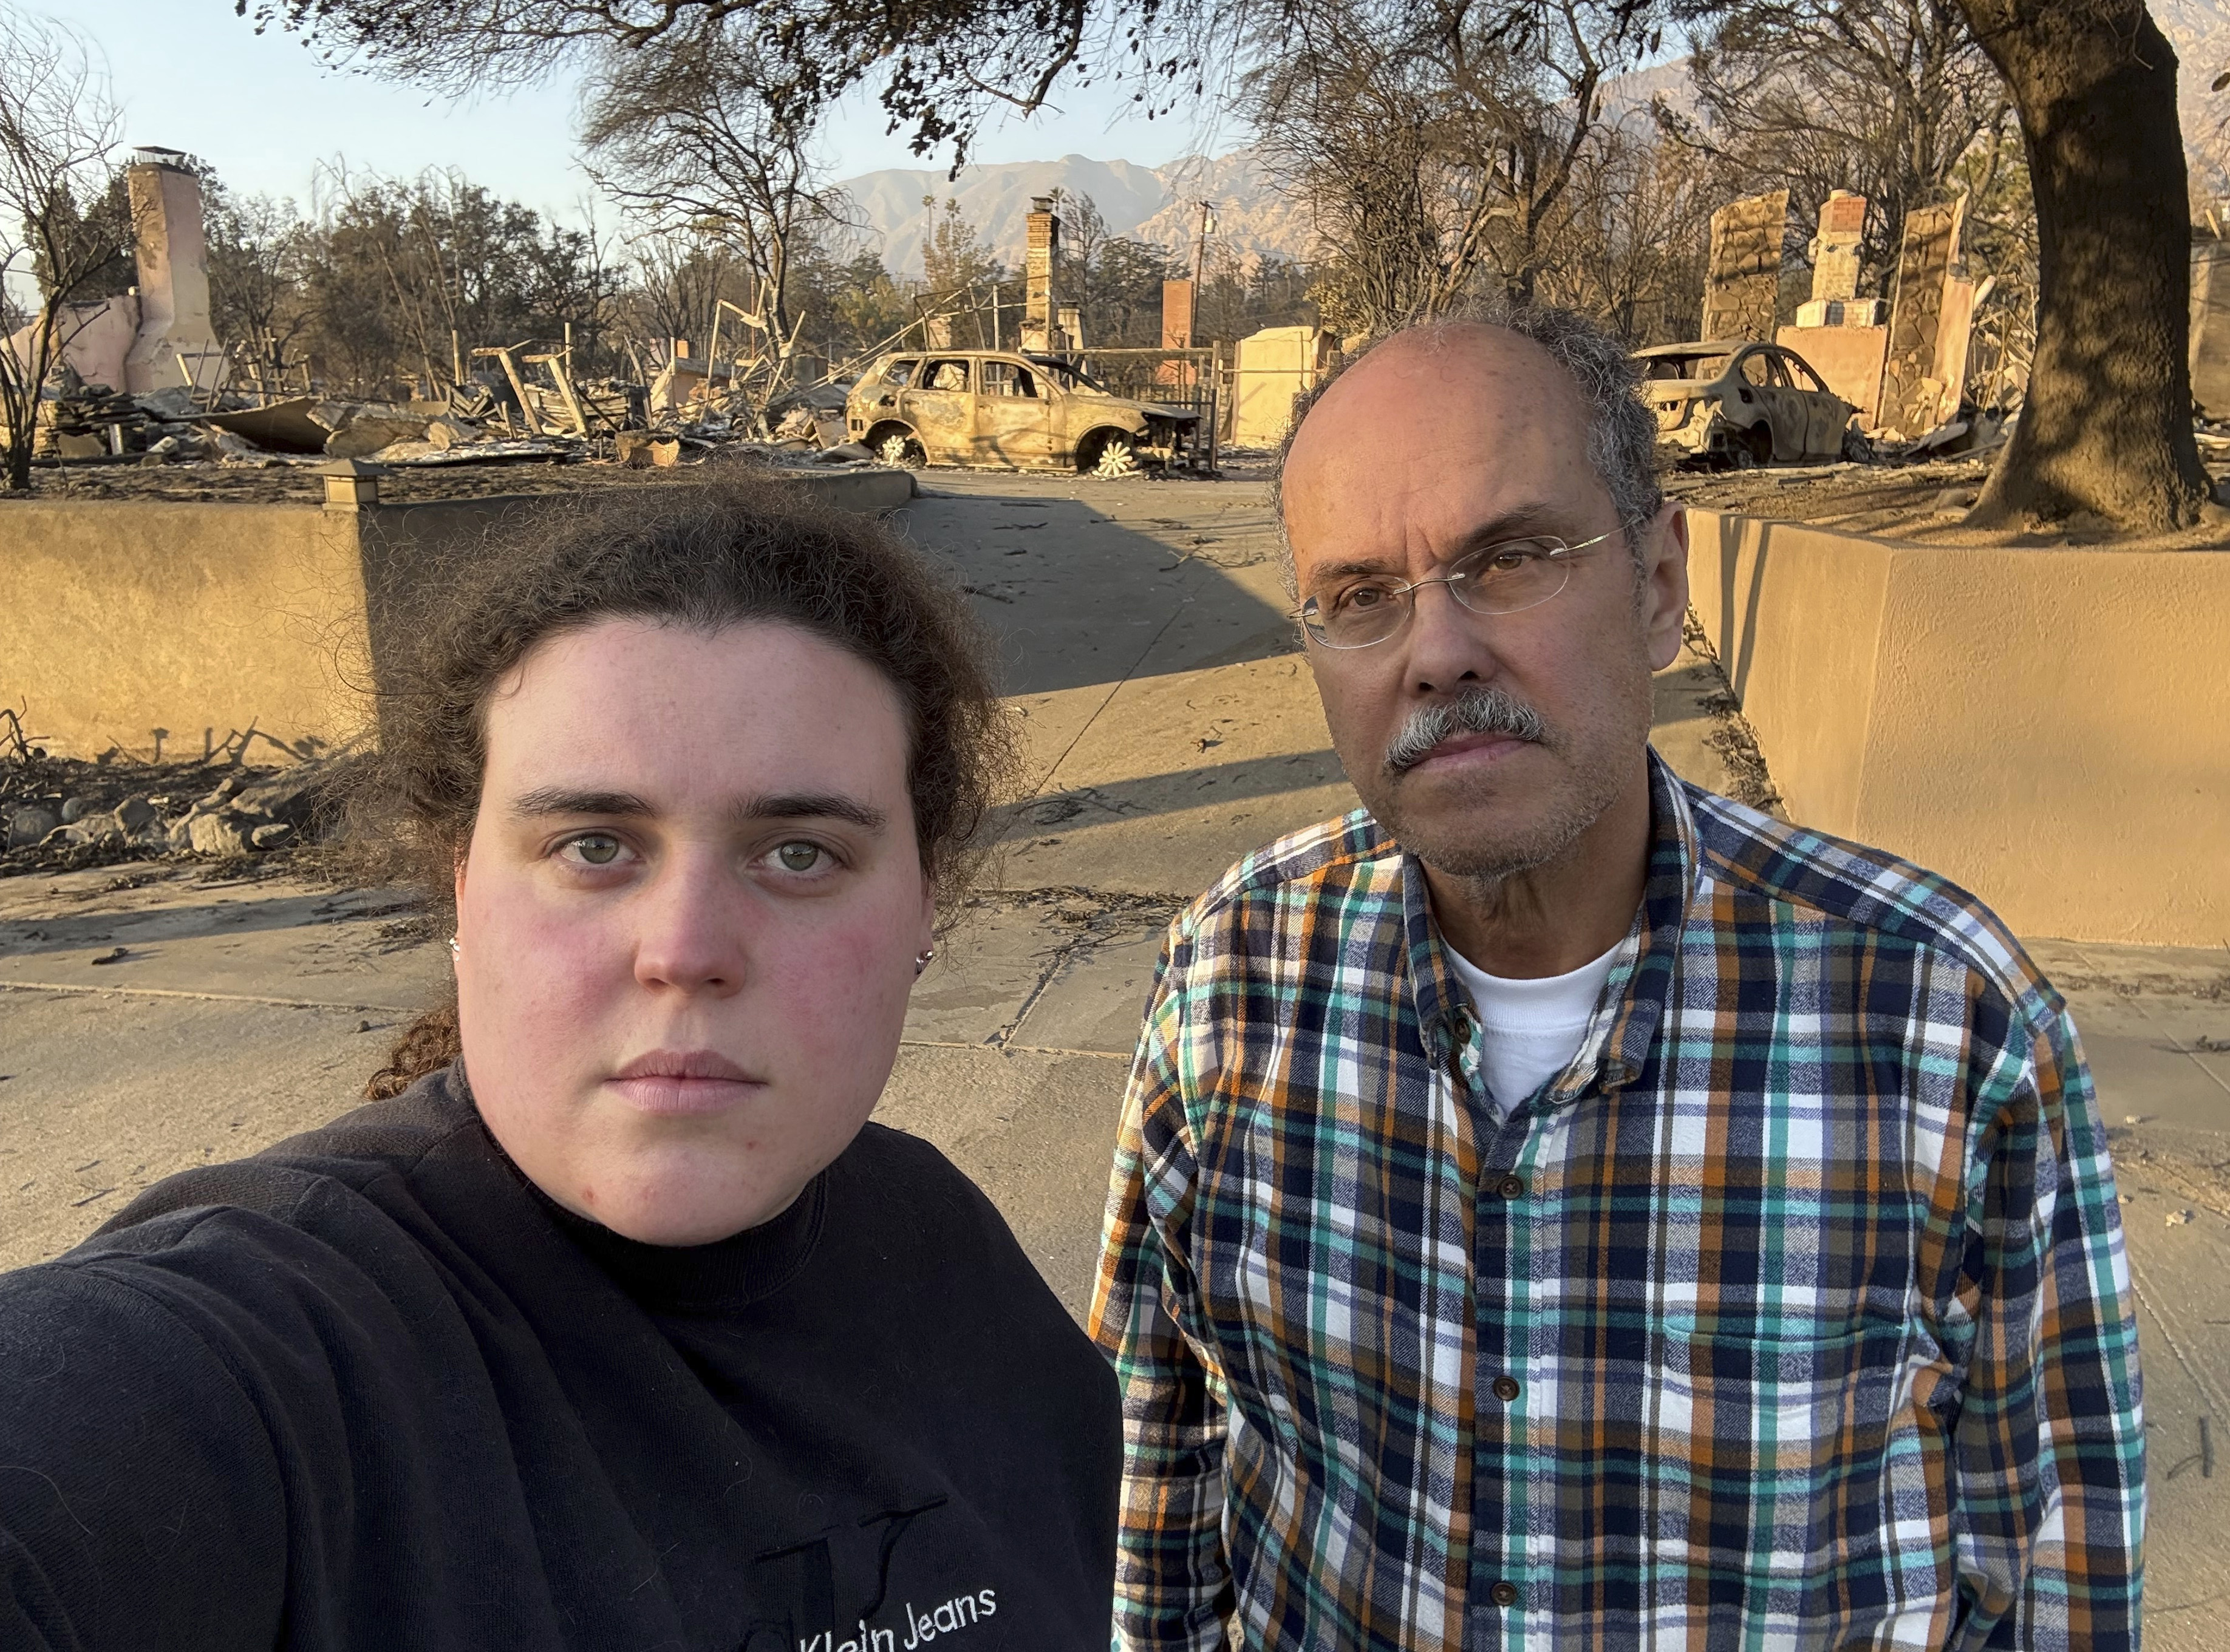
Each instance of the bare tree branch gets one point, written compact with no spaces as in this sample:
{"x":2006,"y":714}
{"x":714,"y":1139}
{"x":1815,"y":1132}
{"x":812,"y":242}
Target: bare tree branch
{"x":1435,"y":147}
{"x":940,"y":66}
{"x":59,"y":133}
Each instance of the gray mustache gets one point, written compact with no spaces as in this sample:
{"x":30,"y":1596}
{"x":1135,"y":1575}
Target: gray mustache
{"x":1476,"y":710}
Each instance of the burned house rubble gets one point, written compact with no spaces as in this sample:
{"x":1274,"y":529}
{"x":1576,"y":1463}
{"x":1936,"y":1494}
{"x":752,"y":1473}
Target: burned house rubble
{"x":749,"y":394}
{"x":1854,"y":380}
{"x":142,"y":380}
{"x":477,"y":423}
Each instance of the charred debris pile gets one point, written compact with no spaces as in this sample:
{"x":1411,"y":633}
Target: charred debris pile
{"x":249,"y":794}
{"x":509,"y":412}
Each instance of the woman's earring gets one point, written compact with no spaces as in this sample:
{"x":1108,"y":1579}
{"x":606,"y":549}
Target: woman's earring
{"x":455,"y":951}
{"x":920,"y":958}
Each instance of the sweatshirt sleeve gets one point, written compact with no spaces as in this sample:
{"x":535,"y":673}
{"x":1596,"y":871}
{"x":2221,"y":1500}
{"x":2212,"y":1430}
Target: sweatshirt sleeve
{"x":1172,"y":1580}
{"x":140,"y":1502}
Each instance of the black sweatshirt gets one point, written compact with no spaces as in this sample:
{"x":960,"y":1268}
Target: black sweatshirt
{"x":371,"y":1389}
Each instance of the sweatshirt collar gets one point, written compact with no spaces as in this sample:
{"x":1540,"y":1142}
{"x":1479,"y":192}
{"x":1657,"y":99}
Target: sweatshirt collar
{"x":727,"y":1274}
{"x":734,"y":1272}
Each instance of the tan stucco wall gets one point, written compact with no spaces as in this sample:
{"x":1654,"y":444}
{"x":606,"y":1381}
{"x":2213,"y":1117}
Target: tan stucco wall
{"x":1818,"y":696}
{"x":1274,"y":366}
{"x":2050,"y":728}
{"x":122,"y":617}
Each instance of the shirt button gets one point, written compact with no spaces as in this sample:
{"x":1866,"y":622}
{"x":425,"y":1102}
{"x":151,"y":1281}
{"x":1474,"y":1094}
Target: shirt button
{"x":1505,"y":1388}
{"x":1511,"y":1187}
{"x":1504,"y":1594}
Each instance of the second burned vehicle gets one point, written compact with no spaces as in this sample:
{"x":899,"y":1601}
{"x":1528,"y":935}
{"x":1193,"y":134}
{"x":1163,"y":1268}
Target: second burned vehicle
{"x":983,"y":406}
{"x":1737,"y":404}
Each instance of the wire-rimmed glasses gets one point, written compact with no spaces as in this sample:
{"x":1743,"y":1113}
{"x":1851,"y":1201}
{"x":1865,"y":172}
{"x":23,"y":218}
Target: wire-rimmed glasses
{"x":1507,"y":577}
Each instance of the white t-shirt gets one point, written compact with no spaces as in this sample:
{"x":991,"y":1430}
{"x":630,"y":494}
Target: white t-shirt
{"x":1530,"y":1030}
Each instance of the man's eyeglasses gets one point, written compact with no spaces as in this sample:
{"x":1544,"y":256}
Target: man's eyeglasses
{"x":1505,"y":578}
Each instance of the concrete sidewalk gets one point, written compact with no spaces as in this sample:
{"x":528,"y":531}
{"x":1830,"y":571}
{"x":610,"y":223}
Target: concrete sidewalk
{"x":1171,"y":727}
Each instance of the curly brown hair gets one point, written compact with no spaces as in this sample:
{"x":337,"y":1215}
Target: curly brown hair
{"x":705,"y":557}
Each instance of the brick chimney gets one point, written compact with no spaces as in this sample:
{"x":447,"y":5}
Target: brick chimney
{"x":1177,"y":315}
{"x":1040,"y":331}
{"x":1835,"y":254}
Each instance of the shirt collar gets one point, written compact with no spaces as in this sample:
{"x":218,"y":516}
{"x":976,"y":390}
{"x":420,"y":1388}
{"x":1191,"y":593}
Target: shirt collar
{"x":1641,"y":976}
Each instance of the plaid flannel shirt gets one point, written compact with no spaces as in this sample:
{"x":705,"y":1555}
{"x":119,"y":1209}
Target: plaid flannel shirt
{"x":1793,"y":1313}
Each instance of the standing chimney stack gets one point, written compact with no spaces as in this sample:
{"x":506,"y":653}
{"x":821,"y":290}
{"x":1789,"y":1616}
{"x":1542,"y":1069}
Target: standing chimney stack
{"x":1177,"y":315}
{"x":1041,"y":332}
{"x":175,"y":343}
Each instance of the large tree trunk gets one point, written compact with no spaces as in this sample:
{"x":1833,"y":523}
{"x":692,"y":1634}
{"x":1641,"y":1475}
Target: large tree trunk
{"x":2107,"y":426}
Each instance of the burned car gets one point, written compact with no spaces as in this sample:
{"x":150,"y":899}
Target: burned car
{"x":1738,"y":403}
{"x":988,"y":407}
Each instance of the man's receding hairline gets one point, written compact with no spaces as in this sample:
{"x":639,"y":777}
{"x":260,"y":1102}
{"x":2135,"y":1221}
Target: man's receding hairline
{"x":1433,"y":344}
{"x":1618,"y":428}
{"x":1434,"y":338}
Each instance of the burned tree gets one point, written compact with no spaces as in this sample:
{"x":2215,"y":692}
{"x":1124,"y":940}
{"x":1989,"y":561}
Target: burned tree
{"x":58,"y":137}
{"x":2105,"y":425}
{"x":1883,"y":100}
{"x":679,"y":280}
{"x":399,"y":278}
{"x":1348,"y":132}
{"x":1114,"y":281}
{"x":696,"y":132}
{"x":1629,"y":240}
{"x":1436,"y":143}
{"x":256,"y":248}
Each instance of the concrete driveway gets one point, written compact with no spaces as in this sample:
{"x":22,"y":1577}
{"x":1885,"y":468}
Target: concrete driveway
{"x":1171,"y":727}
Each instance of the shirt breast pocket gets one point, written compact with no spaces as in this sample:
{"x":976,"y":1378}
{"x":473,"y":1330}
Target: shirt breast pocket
{"x":1804,"y":1430}
{"x":1740,"y":1379}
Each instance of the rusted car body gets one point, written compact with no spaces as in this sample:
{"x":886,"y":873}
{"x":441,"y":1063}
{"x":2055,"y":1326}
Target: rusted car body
{"x":987,"y":407}
{"x":1741,"y":403}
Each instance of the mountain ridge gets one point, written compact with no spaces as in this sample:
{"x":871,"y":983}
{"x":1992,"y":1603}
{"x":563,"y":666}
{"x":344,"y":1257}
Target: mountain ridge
{"x":1155,"y":204}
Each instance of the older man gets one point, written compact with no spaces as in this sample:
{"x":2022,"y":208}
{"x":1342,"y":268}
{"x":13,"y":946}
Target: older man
{"x":1556,"y":1205}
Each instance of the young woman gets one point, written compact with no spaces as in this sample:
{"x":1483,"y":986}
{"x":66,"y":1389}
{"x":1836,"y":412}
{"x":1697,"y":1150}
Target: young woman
{"x":619,"y":1327}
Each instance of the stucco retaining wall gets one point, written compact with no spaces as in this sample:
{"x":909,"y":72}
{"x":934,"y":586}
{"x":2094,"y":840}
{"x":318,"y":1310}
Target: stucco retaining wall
{"x":2050,"y":728}
{"x":119,"y":617}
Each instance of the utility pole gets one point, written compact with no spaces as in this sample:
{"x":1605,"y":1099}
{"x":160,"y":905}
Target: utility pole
{"x":1200,"y":248}
{"x":1193,"y":308}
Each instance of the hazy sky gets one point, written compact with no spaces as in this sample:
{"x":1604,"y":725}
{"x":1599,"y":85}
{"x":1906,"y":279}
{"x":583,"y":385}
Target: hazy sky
{"x":190,"y":76}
